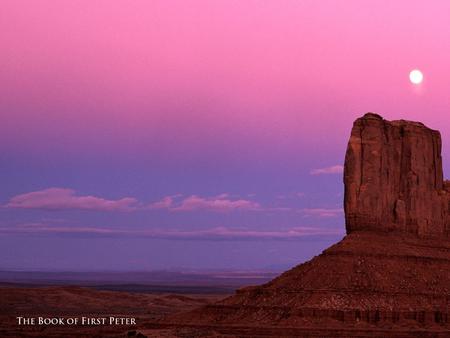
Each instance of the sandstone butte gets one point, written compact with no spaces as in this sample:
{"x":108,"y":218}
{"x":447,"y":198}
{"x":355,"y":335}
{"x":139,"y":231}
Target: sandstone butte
{"x":388,"y":277}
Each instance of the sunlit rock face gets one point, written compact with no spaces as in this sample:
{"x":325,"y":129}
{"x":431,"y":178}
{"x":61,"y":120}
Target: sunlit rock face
{"x":393,"y":178}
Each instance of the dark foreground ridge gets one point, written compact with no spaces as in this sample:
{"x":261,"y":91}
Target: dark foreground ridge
{"x":388,"y":277}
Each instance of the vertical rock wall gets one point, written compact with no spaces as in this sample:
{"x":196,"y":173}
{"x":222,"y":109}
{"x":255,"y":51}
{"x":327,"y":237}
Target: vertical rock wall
{"x":393,"y":178}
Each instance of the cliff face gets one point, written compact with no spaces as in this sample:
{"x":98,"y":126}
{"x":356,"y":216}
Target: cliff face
{"x":393,"y":178}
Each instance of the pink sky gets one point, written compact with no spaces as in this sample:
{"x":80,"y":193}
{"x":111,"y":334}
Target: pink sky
{"x":256,"y":72}
{"x":198,"y":115}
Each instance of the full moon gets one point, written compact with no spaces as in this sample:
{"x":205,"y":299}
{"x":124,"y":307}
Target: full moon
{"x":416,"y":76}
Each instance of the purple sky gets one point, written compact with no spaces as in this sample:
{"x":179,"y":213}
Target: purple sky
{"x":198,"y":134}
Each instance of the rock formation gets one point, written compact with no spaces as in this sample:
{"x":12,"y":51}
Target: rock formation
{"x":393,"y":178}
{"x":388,"y":277}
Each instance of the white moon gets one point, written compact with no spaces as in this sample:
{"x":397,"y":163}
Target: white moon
{"x":416,"y":76}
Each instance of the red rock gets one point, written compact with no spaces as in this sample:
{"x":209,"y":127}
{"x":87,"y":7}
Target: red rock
{"x":393,"y":178}
{"x":388,"y":277}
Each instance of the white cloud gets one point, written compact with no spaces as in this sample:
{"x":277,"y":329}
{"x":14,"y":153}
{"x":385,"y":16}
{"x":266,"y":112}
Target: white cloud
{"x":219,"y":203}
{"x":322,"y":212}
{"x":217,"y":233}
{"x":63,"y":199}
{"x":335,"y":169}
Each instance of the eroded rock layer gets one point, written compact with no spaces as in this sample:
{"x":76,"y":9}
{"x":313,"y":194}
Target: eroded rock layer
{"x":368,"y":281}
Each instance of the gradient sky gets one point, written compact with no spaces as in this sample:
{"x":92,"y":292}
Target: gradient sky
{"x":198,"y":134}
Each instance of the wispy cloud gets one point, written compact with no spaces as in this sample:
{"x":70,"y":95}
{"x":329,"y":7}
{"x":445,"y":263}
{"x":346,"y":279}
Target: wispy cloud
{"x":64,"y":199}
{"x":220,"y":203}
{"x":67,"y":199}
{"x":335,"y":169}
{"x":164,"y":203}
{"x":322,"y":212}
{"x":217,"y":233}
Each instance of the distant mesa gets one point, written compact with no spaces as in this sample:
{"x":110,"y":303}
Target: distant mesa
{"x":388,"y":277}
